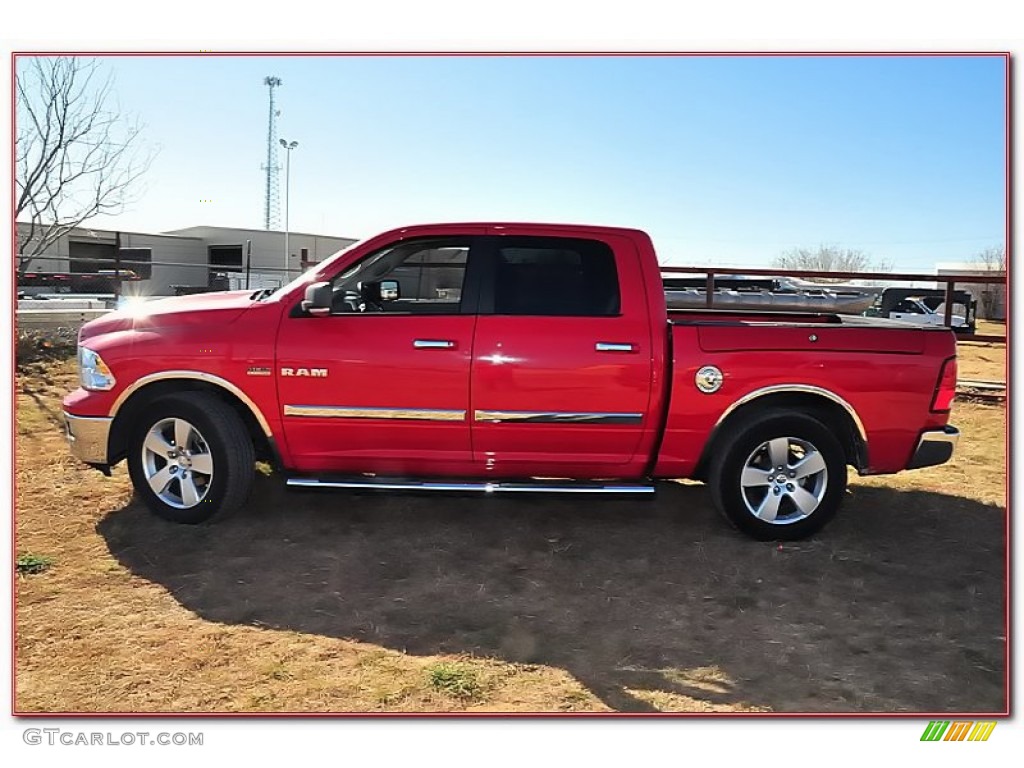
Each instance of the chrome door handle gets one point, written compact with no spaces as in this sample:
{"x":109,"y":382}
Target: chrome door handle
{"x":433,"y":344}
{"x":609,"y":346}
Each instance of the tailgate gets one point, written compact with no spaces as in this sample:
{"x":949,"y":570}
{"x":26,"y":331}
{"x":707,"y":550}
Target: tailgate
{"x":738,"y":338}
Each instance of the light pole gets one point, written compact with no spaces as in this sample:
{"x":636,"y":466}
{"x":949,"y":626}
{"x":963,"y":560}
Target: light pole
{"x":289,"y":146}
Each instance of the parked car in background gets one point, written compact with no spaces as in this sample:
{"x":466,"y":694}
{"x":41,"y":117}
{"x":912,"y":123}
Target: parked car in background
{"x":926,"y":307}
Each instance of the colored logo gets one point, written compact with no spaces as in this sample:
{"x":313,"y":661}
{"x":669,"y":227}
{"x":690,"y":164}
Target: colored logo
{"x":958,"y":730}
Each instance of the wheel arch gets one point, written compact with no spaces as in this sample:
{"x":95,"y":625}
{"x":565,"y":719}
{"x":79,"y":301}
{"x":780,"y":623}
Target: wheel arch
{"x":149,"y":388}
{"x":827,"y":406}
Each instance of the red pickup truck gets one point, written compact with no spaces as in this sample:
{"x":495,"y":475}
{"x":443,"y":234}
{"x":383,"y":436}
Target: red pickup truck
{"x":505,"y":358}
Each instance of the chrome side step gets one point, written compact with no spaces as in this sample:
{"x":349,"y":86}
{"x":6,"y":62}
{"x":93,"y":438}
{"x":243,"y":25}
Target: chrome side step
{"x":384,"y":484}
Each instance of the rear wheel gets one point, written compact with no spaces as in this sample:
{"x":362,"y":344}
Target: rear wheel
{"x":782,"y":476}
{"x":190,"y":458}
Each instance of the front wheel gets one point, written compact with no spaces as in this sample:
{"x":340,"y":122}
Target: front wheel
{"x":782,"y":476}
{"x":190,"y":458}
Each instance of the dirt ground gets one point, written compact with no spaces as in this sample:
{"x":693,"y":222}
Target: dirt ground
{"x":349,"y":602}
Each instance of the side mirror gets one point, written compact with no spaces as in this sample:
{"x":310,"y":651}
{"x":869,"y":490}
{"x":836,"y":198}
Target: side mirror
{"x":389,"y":290}
{"x":318,"y":299}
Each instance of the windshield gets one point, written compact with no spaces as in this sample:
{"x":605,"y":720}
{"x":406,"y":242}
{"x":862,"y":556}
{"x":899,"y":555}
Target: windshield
{"x":307,"y":276}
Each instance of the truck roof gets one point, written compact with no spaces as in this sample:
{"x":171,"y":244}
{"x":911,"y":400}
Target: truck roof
{"x":569,"y":228}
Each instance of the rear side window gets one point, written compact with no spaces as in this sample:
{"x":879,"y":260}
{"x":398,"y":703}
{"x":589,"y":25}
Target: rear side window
{"x":555,"y":276}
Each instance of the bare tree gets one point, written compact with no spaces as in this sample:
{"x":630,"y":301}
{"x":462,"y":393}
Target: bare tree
{"x":992,"y":295}
{"x":76,"y":156}
{"x":830,"y":258}
{"x":993,"y":259}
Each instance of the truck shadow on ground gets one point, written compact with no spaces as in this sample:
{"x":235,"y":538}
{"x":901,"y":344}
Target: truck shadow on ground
{"x":897,"y":606}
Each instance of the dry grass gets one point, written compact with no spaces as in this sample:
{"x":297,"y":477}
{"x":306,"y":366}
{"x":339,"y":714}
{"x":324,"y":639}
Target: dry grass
{"x":983,"y":361}
{"x":991,"y":327}
{"x":342,"y":603}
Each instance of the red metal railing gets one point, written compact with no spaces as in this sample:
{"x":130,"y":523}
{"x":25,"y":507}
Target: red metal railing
{"x":995,"y":278}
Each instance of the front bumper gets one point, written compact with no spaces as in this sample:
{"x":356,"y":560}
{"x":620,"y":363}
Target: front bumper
{"x":87,"y":437}
{"x":935,"y":446}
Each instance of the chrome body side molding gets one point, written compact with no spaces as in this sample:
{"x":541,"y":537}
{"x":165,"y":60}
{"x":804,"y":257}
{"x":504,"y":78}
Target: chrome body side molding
{"x":357,"y":412}
{"x":557,"y":417}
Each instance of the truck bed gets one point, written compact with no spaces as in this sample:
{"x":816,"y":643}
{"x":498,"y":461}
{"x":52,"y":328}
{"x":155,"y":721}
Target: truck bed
{"x":882,"y":370}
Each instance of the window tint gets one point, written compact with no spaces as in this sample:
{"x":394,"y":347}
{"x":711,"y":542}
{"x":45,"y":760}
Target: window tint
{"x":555,"y":276}
{"x":430,"y":275}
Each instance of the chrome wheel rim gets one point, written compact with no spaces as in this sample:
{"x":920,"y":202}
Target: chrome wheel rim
{"x":784,"y":480}
{"x":177,"y":462}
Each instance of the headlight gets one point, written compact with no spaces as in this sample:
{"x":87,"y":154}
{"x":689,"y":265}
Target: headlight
{"x":93,"y":373}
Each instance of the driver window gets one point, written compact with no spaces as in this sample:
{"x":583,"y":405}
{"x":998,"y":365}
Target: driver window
{"x":428,"y":274}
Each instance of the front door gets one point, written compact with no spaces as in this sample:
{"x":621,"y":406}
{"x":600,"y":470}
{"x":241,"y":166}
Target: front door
{"x":381,"y":384}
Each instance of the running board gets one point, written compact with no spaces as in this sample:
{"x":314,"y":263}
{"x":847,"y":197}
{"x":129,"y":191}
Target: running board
{"x":540,"y":486}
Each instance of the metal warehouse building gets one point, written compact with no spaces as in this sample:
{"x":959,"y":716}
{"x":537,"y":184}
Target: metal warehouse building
{"x":185,"y":257}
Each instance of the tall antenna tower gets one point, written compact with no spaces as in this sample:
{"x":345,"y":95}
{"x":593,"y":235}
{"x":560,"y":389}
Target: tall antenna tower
{"x":272,"y":201}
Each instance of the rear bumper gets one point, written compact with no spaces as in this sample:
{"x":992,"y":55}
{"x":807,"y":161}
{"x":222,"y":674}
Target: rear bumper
{"x":935,"y":446}
{"x":87,"y":437}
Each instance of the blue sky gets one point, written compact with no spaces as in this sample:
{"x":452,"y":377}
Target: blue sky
{"x":725,"y":160}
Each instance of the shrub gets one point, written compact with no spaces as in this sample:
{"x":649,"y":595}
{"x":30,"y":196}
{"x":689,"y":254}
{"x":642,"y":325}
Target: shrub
{"x":36,"y":346}
{"x":454,"y":679}
{"x":28,"y":564}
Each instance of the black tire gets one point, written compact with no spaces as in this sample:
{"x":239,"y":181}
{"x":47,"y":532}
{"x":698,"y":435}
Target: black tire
{"x":218,"y":432}
{"x":750,"y":442}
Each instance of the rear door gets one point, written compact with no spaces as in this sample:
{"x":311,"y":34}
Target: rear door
{"x":562,"y":357}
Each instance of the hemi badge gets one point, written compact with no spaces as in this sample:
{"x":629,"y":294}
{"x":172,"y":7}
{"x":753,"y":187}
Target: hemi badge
{"x":256,"y":371}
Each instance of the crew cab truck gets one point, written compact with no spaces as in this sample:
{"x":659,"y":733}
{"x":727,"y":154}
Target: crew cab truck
{"x":505,"y":358}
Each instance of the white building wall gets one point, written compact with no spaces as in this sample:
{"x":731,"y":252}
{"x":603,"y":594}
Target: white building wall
{"x":991,"y":297}
{"x":185,"y":254}
{"x":268,"y":246}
